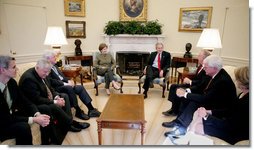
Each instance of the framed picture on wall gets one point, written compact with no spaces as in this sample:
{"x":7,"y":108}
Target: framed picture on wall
{"x":74,"y":8}
{"x":75,"y":29}
{"x":195,"y":18}
{"x":133,"y":10}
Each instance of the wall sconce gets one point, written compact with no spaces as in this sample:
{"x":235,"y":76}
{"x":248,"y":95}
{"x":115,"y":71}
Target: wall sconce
{"x":55,"y":37}
{"x":209,"y":39}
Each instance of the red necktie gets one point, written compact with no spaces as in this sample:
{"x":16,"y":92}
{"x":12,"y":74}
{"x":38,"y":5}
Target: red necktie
{"x":159,"y":62}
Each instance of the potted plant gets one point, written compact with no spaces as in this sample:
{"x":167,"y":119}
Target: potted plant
{"x":133,"y":27}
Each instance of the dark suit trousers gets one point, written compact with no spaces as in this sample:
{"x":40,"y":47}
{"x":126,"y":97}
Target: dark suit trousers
{"x":48,"y":132}
{"x":187,"y":110}
{"x":72,"y":92}
{"x":175,"y":100}
{"x":21,"y":131}
{"x":151,"y":73}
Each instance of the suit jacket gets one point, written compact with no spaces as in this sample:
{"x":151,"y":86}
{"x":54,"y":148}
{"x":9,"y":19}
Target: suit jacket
{"x":219,"y":94}
{"x":165,"y":60}
{"x":21,"y":107}
{"x":33,"y":87}
{"x":54,"y":78}
{"x":199,"y":82}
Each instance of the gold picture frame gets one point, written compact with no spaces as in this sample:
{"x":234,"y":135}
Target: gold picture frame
{"x":195,"y":19}
{"x":75,"y":29}
{"x":133,"y":10}
{"x":74,"y":8}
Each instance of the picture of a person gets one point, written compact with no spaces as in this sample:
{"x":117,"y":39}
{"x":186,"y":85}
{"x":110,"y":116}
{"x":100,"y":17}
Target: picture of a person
{"x":133,"y":8}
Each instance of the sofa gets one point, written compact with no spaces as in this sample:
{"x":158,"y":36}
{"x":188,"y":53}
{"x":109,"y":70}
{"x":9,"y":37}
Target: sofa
{"x":217,"y":141}
{"x":34,"y":127}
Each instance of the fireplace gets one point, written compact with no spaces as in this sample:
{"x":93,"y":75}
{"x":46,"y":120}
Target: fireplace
{"x":132,"y":51}
{"x":131,"y":63}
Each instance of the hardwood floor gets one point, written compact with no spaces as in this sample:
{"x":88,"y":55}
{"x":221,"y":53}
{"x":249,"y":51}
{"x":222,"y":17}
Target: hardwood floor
{"x":154,"y":105}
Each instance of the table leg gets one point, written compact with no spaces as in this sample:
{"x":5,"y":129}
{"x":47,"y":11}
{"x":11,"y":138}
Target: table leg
{"x":99,"y":132}
{"x":142,"y":133}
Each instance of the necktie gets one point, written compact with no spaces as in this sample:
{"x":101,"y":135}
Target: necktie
{"x":50,"y":96}
{"x":208,"y":85}
{"x":199,"y":69}
{"x":159,"y":62}
{"x":7,"y":98}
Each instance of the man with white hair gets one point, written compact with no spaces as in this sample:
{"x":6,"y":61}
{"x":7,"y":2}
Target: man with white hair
{"x":63,"y":85}
{"x":36,"y":86}
{"x":218,"y":94}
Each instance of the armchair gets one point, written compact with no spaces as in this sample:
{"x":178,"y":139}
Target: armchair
{"x":163,"y":82}
{"x":97,"y":79}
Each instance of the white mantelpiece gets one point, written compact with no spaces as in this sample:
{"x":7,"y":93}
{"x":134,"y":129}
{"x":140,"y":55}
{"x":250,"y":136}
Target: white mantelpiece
{"x":137,"y":43}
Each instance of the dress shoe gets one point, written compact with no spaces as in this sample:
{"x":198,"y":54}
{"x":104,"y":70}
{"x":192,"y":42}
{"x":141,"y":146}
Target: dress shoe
{"x":170,"y":124}
{"x":169,"y":112}
{"x":82,"y":115}
{"x":81,"y":125}
{"x":177,"y":131}
{"x":94,"y":113}
{"x":116,"y":86}
{"x":108,"y":92}
{"x":145,"y":95}
{"x":74,"y":129}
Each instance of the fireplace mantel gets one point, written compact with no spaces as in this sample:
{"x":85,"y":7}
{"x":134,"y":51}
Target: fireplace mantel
{"x":127,"y":42}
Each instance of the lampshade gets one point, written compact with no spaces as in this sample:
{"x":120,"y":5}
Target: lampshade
{"x":209,"y":39}
{"x":55,"y":37}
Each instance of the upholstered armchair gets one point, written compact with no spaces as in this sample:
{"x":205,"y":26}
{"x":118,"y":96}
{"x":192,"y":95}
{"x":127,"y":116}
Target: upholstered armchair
{"x":163,"y":82}
{"x":97,"y":79}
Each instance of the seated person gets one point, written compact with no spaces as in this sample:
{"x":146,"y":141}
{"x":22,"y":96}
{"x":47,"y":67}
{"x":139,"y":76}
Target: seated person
{"x":158,"y":63}
{"x":195,"y":85}
{"x":230,"y":125}
{"x":16,"y":112}
{"x":104,"y":64}
{"x":63,"y":85}
{"x":218,"y":94}
{"x":35,"y":84}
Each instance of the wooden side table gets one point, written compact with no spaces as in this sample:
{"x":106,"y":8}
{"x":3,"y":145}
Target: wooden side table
{"x":184,"y":72}
{"x":73,"y":73}
{"x":88,"y":58}
{"x":123,"y":111}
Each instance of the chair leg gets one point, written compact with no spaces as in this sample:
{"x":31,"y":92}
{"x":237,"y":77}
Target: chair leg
{"x":163,"y":91}
{"x":139,"y":88}
{"x":121,"y":90}
{"x":96,"y":88}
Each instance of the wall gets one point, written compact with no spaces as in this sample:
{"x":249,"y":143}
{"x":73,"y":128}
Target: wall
{"x":227,"y":15}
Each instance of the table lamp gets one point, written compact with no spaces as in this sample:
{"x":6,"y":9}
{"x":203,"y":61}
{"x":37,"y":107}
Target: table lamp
{"x":209,"y":39}
{"x":55,"y":37}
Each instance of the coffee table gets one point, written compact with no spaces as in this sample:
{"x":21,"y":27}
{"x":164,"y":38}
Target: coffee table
{"x":123,"y":111}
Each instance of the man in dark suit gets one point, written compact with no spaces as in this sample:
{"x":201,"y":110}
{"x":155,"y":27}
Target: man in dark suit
{"x":196,"y":85}
{"x":62,"y":84}
{"x":218,"y":94}
{"x":157,"y":66}
{"x":35,"y":84}
{"x":16,"y":112}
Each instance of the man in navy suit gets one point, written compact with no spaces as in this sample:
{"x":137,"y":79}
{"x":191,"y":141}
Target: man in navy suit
{"x":196,"y":85}
{"x":63,"y":85}
{"x":17,"y":112}
{"x":157,"y":66}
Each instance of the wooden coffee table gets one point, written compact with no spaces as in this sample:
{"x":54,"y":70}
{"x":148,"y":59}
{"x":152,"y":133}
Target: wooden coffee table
{"x":123,"y":111}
